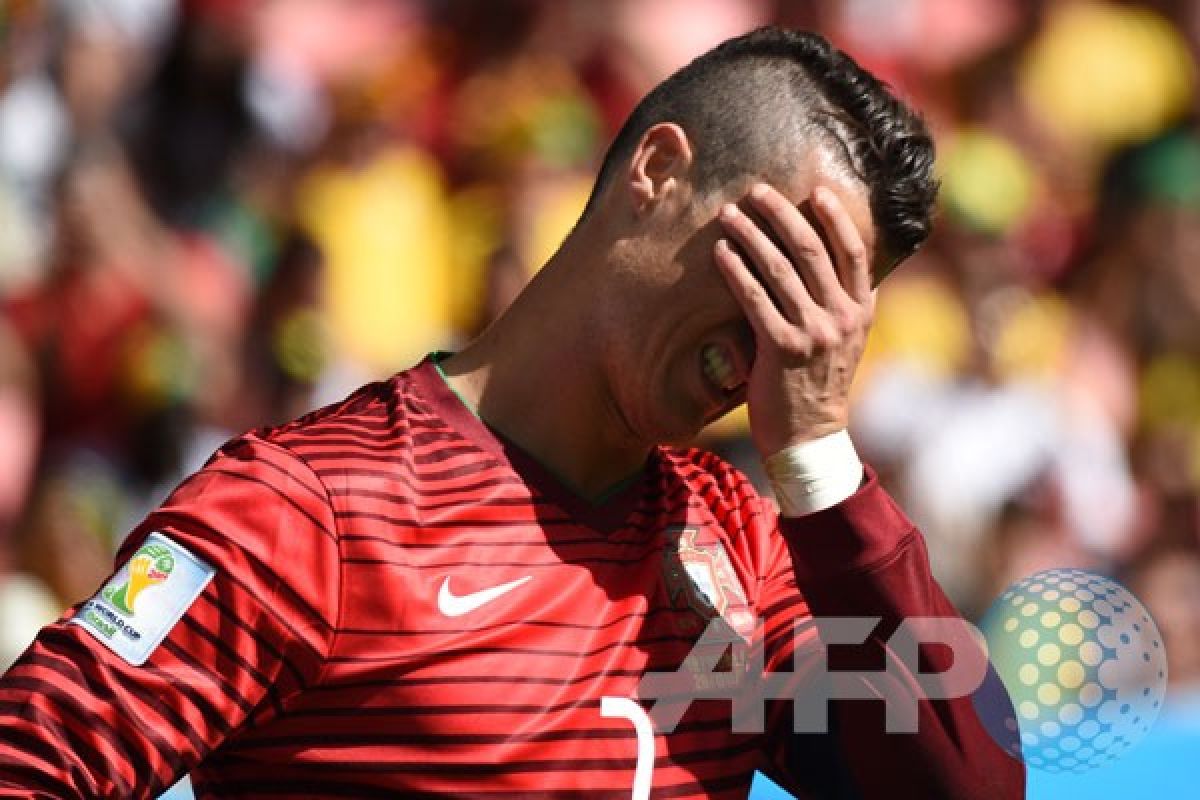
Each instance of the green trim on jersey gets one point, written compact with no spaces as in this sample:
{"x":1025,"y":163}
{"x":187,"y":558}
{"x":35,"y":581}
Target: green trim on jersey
{"x":437,"y":358}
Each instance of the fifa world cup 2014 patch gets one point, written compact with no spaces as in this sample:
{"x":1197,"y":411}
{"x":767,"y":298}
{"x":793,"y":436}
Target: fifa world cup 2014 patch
{"x":140,"y":605}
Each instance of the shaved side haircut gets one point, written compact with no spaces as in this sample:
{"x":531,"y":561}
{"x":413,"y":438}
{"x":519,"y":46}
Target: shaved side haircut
{"x":752,"y":105}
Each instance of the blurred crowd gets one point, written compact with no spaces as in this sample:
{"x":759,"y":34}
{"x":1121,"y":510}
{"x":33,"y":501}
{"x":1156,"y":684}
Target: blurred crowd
{"x":217,"y":214}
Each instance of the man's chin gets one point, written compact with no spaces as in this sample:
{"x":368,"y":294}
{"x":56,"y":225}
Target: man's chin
{"x":686,"y":432}
{"x":683,"y":418}
{"x":676,"y":429}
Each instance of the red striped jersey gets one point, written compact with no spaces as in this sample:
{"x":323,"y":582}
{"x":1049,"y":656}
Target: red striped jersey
{"x":404,"y":604}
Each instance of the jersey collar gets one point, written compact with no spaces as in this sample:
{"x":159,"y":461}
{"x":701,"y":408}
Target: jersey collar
{"x":607,"y":515}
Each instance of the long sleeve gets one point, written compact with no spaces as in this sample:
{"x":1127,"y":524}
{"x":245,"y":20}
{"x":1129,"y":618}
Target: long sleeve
{"x":864,"y":558}
{"x":81,"y":717}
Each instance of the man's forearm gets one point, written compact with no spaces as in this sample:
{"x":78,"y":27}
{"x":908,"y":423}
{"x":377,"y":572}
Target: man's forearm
{"x":864,"y":558}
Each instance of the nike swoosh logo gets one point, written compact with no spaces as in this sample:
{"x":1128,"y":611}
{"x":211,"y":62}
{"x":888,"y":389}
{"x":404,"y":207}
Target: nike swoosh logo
{"x":453,"y":605}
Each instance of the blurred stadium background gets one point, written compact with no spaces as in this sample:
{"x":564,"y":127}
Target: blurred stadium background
{"x":216,"y":214}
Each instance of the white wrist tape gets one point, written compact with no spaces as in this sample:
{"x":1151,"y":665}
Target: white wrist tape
{"x":815,"y":475}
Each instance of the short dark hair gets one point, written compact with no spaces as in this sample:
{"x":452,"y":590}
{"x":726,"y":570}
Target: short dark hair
{"x":739,"y":101}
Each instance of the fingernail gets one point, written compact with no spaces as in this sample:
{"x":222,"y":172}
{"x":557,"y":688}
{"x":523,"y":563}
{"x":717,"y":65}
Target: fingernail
{"x":729,"y":212}
{"x":759,"y":191}
{"x":822,"y":196}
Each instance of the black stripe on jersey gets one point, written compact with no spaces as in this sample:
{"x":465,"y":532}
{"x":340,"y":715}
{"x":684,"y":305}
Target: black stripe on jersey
{"x":451,"y":564}
{"x":228,"y":650}
{"x":411,"y":738}
{"x":395,"y":435}
{"x":366,"y":537}
{"x":531,"y":651}
{"x":783,"y":574}
{"x":782,"y":605}
{"x":738,"y":782}
{"x":721,"y":512}
{"x":267,"y":575}
{"x":702,"y":485}
{"x":320,"y":496}
{"x":450,"y":680}
{"x":212,"y":717}
{"x":60,"y":698}
{"x":409,"y":499}
{"x":328,"y":427}
{"x":443,"y":710}
{"x":51,"y":756}
{"x":789,"y":628}
{"x":437,"y":452}
{"x":499,"y":478}
{"x":533,"y":502}
{"x":379,"y":420}
{"x":232,"y":655}
{"x":96,"y":687}
{"x":717,"y":755}
{"x":278,"y":493}
{"x":400,"y":468}
{"x":28,"y":777}
{"x":309,"y":446}
{"x":397,"y":450}
{"x":721,"y":722}
{"x":779,"y":645}
{"x":579,"y":626}
{"x":151,"y":700}
{"x":423,"y":438}
{"x":412,"y":464}
{"x":460,"y":522}
{"x":229,"y":616}
{"x":537,"y":521}
{"x":213,"y":674}
{"x":675,"y":496}
{"x":309,"y":787}
{"x":80,"y":746}
{"x":362,"y":410}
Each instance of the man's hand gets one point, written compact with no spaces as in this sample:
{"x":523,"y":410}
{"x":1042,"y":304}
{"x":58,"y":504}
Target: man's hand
{"x":810,"y":313}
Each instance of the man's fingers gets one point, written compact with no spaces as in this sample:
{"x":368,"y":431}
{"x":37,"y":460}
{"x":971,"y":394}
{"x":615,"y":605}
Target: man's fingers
{"x":805,"y":248}
{"x":850,"y":253}
{"x":779,"y":275}
{"x":766,"y":320}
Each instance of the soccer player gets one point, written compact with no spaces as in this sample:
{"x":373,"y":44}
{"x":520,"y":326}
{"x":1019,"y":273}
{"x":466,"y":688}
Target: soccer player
{"x":451,"y":583}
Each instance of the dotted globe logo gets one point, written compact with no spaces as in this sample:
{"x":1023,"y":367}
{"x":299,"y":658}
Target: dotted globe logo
{"x":1083,"y":663}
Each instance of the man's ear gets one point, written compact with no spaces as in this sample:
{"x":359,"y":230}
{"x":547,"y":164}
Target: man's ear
{"x":659,"y":166}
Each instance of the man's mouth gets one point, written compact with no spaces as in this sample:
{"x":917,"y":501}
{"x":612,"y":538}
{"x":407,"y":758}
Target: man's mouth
{"x":723,"y":368}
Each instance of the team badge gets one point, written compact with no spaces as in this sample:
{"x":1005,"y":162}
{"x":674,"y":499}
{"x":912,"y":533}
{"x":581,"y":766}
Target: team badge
{"x":700,"y":578}
{"x":709,"y":604}
{"x":137,"y":608}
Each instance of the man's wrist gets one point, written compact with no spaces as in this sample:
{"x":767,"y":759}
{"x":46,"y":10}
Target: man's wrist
{"x":815,"y":475}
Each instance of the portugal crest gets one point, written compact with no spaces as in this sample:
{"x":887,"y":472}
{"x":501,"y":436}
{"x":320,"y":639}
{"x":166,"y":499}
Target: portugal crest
{"x":699,"y":578}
